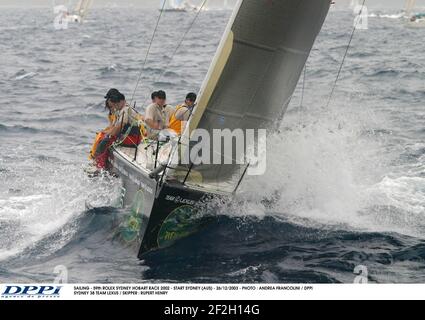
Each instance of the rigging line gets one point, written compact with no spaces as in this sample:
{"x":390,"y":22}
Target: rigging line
{"x":178,"y":47}
{"x":345,"y":55}
{"x":302,"y":95}
{"x":148,"y":51}
{"x":303,"y":87}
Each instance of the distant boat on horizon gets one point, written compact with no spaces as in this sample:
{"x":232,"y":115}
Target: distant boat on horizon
{"x":77,"y":15}
{"x":176,"y":6}
{"x":414,"y":19}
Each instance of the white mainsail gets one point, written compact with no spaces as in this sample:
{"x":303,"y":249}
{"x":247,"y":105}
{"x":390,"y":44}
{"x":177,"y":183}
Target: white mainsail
{"x":257,"y":67}
{"x":361,"y":21}
{"x":416,"y":19}
{"x":354,"y":4}
{"x":410,"y":4}
{"x":172,"y":4}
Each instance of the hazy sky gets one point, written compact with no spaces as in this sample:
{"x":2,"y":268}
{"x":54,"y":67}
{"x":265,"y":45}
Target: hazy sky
{"x":393,"y":4}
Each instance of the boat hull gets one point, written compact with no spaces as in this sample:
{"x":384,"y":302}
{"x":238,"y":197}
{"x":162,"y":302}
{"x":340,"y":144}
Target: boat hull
{"x":74,"y":18}
{"x":157,"y":214}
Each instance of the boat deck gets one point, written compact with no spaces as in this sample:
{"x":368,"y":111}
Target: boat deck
{"x":144,"y":159}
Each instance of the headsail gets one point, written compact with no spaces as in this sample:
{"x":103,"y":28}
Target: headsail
{"x":257,"y":66}
{"x":83,"y":7}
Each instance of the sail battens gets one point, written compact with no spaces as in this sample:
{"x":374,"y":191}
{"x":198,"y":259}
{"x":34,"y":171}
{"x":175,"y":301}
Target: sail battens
{"x":293,"y":50}
{"x":271,"y":49}
{"x":255,"y":45}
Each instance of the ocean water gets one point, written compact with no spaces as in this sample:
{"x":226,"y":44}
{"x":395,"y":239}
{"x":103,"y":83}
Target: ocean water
{"x":345,"y":184}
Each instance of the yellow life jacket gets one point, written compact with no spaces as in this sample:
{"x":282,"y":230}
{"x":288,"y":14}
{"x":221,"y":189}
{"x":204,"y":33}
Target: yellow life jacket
{"x":99,"y":136}
{"x":176,"y":124}
{"x":143,"y":131}
{"x":112,"y":117}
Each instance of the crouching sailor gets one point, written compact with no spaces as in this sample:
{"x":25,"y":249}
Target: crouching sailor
{"x":125,"y":131}
{"x":111,"y":118}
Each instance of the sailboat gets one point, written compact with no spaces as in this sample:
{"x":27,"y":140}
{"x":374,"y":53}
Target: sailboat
{"x":80,"y":11}
{"x":175,"y":5}
{"x":249,"y":85}
{"x":361,"y":20}
{"x":357,"y":6}
{"x":414,"y":19}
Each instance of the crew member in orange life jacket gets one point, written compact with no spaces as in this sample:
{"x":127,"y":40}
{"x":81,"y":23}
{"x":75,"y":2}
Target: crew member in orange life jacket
{"x":111,"y":118}
{"x":182,"y":114}
{"x":122,"y":128}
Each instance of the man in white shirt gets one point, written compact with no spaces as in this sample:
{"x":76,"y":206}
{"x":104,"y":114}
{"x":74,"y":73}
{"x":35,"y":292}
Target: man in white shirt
{"x":158,"y":114}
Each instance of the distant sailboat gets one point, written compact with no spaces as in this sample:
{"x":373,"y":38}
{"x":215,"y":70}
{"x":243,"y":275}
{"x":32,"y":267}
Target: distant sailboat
{"x":361,"y":20}
{"x":175,"y":5}
{"x":64,"y":16}
{"x":82,"y":8}
{"x":80,"y":11}
{"x":415,"y":19}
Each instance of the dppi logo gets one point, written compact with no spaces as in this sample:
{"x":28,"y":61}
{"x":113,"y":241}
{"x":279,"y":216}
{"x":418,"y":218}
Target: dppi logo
{"x":31,"y":291}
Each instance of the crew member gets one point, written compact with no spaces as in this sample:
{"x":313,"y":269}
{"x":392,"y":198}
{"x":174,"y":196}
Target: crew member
{"x":182,"y":114}
{"x":111,"y":118}
{"x":124,"y":128}
{"x":158,"y":114}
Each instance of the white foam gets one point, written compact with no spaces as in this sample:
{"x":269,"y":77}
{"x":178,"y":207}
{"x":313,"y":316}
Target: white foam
{"x":26,"y":76}
{"x":326,"y":169}
{"x":391,"y":16}
{"x":57,"y":197}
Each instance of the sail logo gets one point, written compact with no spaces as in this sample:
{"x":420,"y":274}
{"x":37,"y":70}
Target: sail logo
{"x":31,"y":291}
{"x":225,"y":147}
